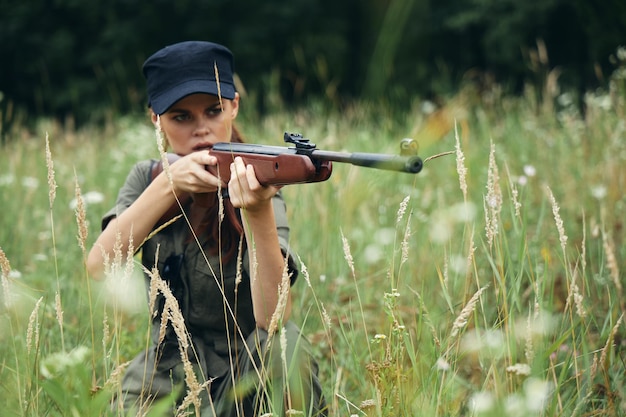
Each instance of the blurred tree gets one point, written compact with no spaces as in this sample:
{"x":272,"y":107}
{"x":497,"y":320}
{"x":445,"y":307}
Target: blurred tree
{"x":82,"y":60}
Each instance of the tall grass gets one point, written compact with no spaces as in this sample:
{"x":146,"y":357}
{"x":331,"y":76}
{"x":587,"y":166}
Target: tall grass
{"x":490,"y":284}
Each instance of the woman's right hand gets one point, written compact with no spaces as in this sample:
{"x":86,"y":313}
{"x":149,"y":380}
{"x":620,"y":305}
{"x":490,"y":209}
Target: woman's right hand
{"x":190,"y":173}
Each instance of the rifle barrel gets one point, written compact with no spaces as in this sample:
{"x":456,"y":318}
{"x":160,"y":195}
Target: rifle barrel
{"x":410,"y":164}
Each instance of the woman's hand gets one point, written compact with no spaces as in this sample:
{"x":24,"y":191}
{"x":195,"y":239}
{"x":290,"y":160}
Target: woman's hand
{"x":190,"y":174}
{"x":245,"y":190}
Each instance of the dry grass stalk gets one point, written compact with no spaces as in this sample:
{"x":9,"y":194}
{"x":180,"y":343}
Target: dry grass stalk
{"x":529,"y":350}
{"x":217,"y":81}
{"x":471,"y":253}
{"x":405,"y":244}
{"x":463,"y":317}
{"x":516,"y":203}
{"x":158,"y":229}
{"x":446,"y":269}
{"x":117,"y":253}
{"x":153,"y":291}
{"x":514,"y":194}
{"x":254,"y":263}
{"x":81,"y":218}
{"x":239,"y":273}
{"x":536,"y":306}
{"x":162,"y":147}
{"x":438,"y":155}
{"x":285,"y":365}
{"x":130,"y":253}
{"x":117,"y":268}
{"x":611,"y":261}
{"x":5,"y":268}
{"x":427,"y":320}
{"x":604,"y":355}
{"x":115,"y":378}
{"x":402,"y":209}
{"x":326,"y":317}
{"x":58,"y":309}
{"x":283,"y":297}
{"x":33,"y":327}
{"x":349,"y":259}
{"x":574,"y":297}
{"x":583,"y":249}
{"x":558,"y":220}
{"x":52,"y":185}
{"x":307,"y":278}
{"x":305,"y":273}
{"x":220,"y":202}
{"x":493,"y":200}
{"x":172,"y":315}
{"x":460,"y":163}
{"x":594,"y":366}
{"x":346,"y":253}
{"x":105,"y":333}
{"x":407,"y":231}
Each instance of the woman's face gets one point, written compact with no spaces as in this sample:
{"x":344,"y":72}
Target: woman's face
{"x":198,"y":121}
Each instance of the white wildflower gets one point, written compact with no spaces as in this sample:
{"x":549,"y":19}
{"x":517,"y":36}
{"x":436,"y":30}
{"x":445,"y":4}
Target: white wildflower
{"x":30,"y":182}
{"x":482,"y":401}
{"x":599,"y":192}
{"x":61,"y":362}
{"x":519,"y":369}
{"x":442,"y":364}
{"x":530,"y":170}
{"x":537,"y":394}
{"x":428,"y":107}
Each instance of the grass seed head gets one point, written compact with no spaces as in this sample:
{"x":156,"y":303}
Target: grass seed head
{"x":52,"y":185}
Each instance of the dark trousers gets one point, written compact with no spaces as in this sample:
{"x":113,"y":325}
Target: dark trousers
{"x":271,"y":375}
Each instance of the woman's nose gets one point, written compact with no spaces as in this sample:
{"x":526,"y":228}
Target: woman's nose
{"x":202,"y":126}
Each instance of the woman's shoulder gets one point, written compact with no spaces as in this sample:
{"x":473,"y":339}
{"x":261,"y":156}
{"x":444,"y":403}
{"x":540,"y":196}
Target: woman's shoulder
{"x":142,"y":171}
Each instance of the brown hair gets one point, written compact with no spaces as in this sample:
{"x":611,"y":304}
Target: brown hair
{"x":222,"y":236}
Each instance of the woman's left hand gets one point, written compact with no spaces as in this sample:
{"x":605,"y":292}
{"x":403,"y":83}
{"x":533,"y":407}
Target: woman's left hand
{"x":244,"y":188}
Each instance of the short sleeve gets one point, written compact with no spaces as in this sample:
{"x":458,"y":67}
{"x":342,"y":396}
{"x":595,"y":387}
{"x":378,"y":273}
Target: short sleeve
{"x":137,"y":181}
{"x":282,"y":226}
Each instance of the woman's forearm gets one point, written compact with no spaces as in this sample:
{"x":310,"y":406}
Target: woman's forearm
{"x":133,"y":225}
{"x":267,"y":267}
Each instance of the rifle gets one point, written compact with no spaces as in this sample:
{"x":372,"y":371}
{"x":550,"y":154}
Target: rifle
{"x":303,"y":163}
{"x":297,"y":164}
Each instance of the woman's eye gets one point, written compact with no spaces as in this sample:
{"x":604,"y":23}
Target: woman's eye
{"x":181,"y":117}
{"x":214,"y":110}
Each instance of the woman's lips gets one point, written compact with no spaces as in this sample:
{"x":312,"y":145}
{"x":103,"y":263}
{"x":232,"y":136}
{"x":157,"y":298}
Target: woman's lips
{"x":203,"y":147}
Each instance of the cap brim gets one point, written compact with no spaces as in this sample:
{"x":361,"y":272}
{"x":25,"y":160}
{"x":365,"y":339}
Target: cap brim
{"x":162,"y":103}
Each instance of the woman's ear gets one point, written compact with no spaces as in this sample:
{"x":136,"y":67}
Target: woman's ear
{"x":154,"y":117}
{"x":235,"y":106}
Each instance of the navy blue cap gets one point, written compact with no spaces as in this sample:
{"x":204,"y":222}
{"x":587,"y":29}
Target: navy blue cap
{"x":185,"y":68}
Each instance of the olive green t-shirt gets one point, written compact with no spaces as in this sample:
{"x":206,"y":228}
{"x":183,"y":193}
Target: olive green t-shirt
{"x":214,"y":298}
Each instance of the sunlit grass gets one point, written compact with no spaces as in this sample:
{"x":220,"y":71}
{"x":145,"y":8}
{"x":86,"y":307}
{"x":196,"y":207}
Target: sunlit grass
{"x":489,"y":284}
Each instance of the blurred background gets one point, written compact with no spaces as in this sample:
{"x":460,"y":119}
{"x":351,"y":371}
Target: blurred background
{"x":80,"y":61}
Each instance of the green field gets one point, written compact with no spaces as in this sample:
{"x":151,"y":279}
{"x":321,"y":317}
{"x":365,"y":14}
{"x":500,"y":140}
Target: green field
{"x":489,"y":284}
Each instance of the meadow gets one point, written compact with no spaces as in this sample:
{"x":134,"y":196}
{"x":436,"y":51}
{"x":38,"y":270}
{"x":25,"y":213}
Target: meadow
{"x":489,"y":284}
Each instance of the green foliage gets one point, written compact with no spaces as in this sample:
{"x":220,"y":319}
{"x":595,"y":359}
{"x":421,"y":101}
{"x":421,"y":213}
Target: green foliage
{"x":80,"y":62}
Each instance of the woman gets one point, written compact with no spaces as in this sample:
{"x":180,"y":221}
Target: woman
{"x":224,"y":271}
